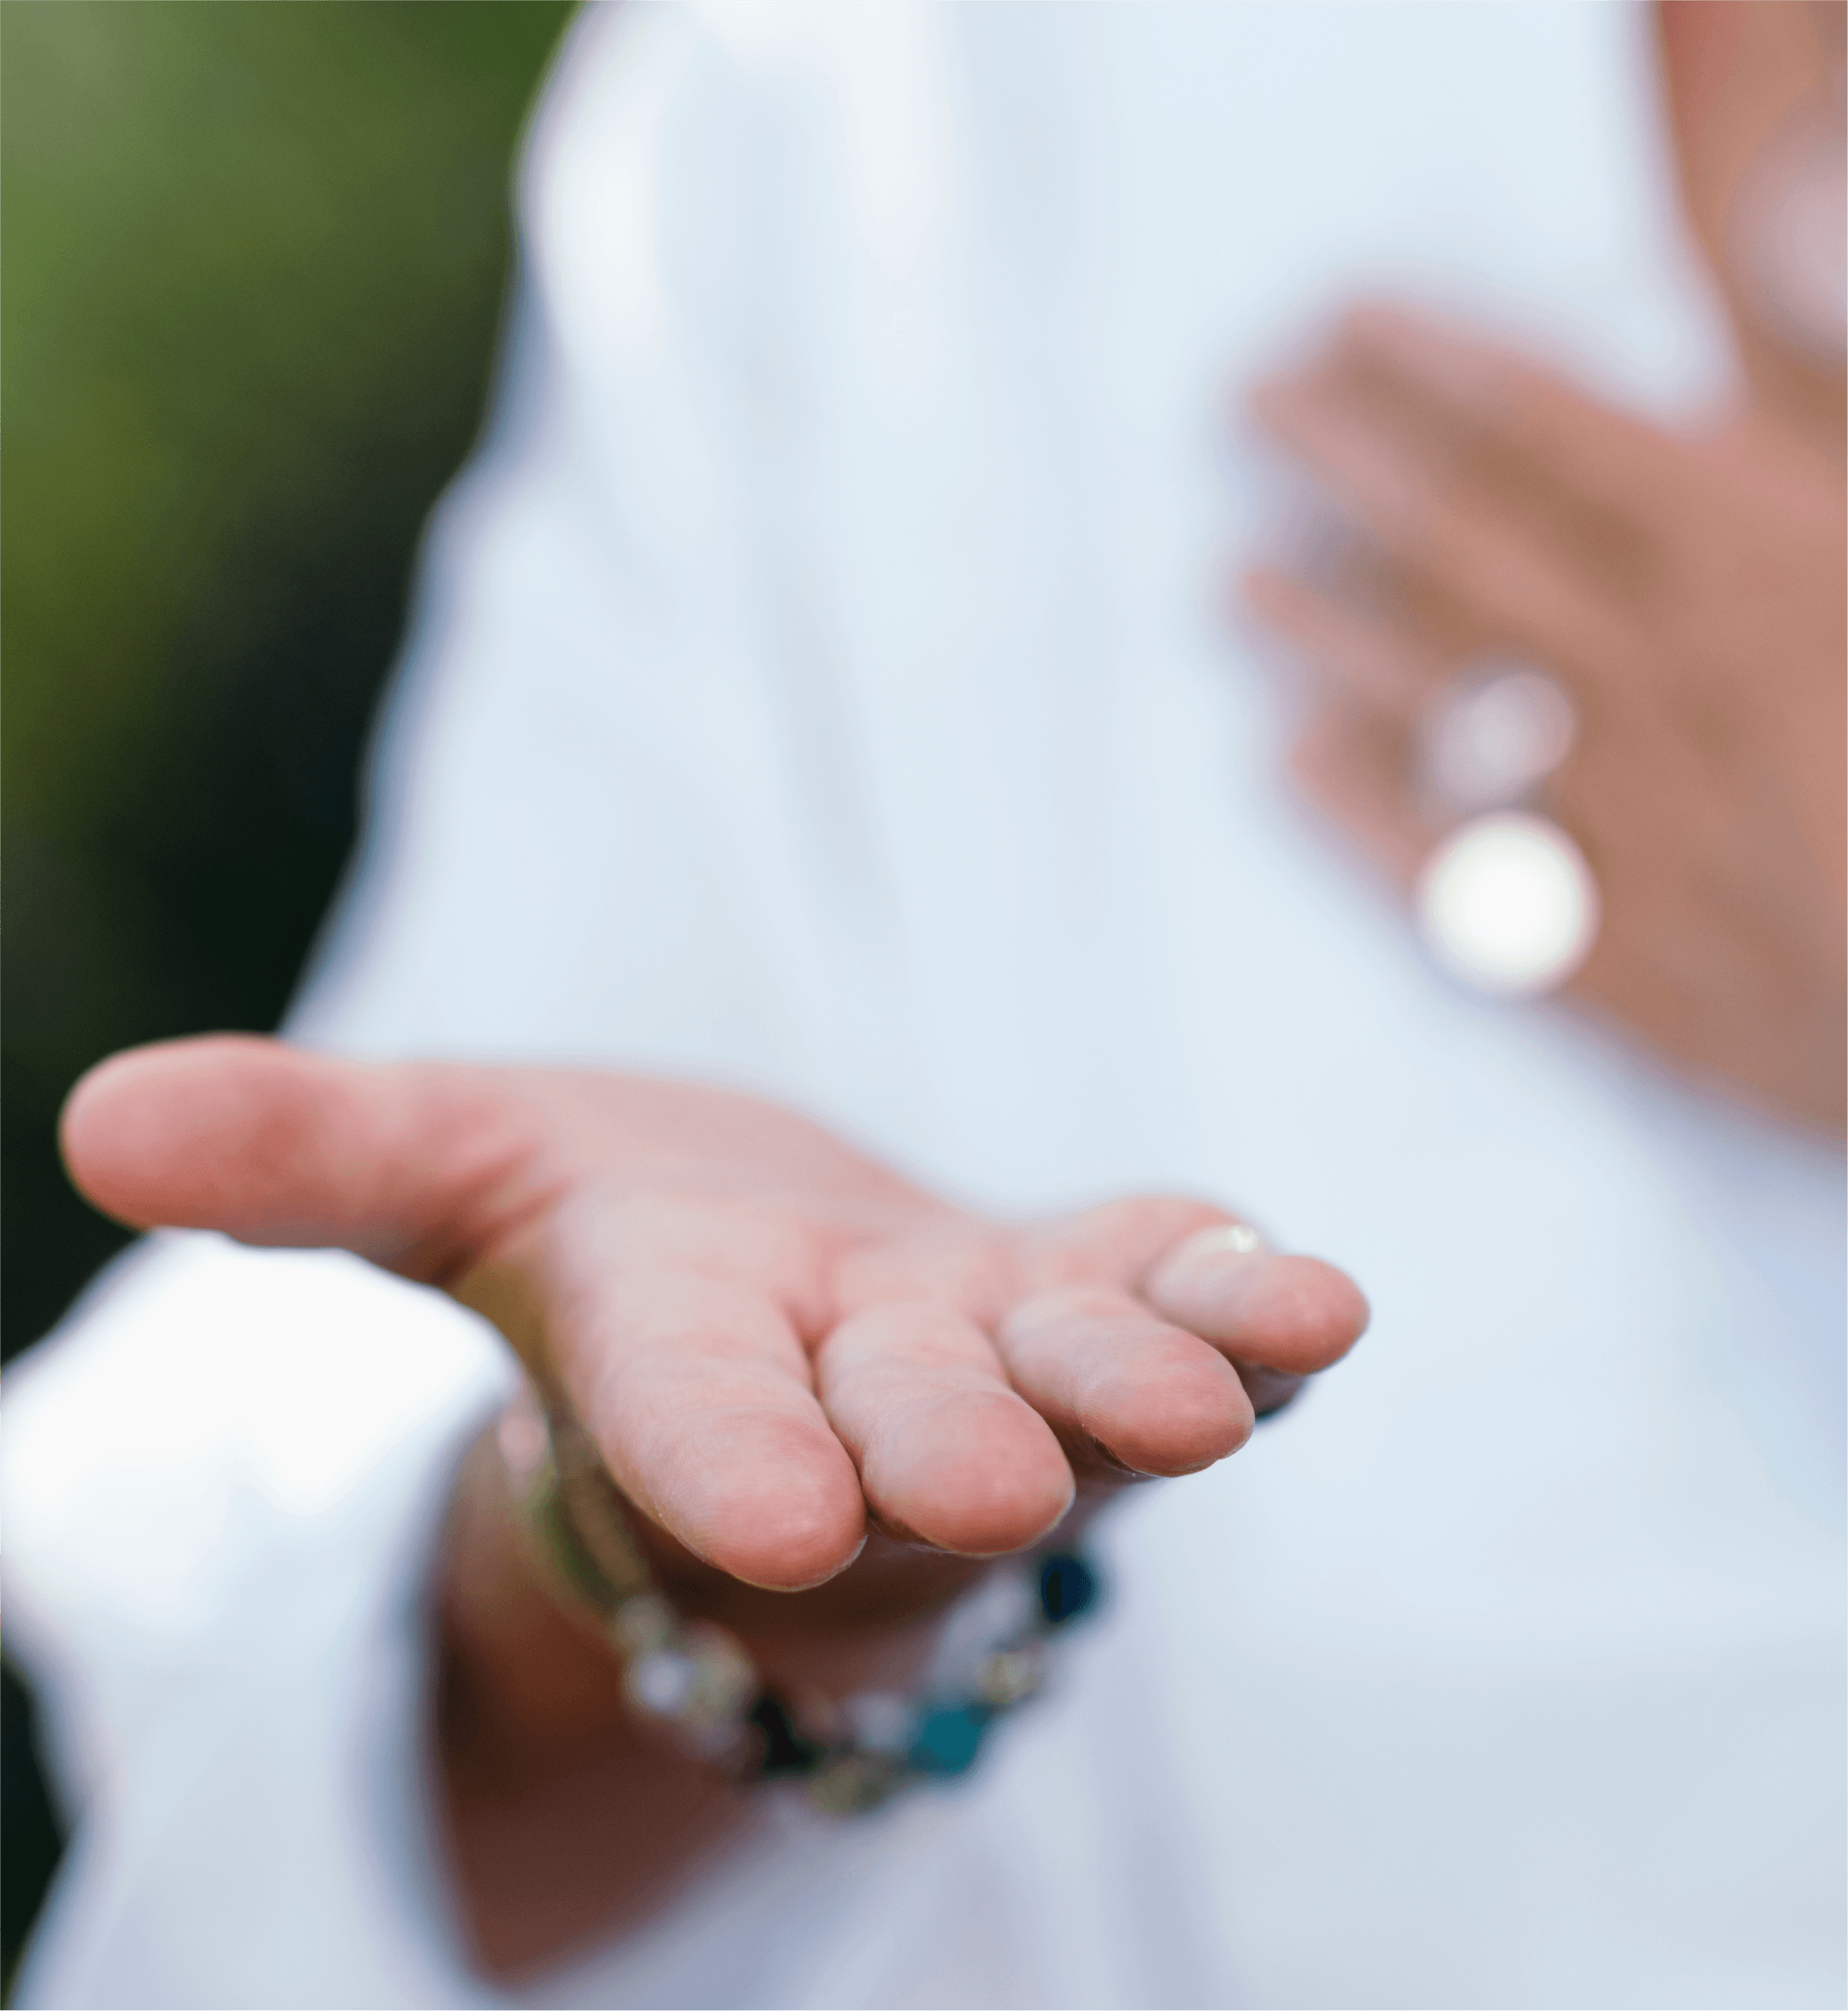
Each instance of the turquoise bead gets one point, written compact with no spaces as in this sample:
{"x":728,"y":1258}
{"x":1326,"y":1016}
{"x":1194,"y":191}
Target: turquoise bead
{"x":947,"y":1741}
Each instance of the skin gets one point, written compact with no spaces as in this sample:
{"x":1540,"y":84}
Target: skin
{"x":1687,"y":587}
{"x":830,"y":1398}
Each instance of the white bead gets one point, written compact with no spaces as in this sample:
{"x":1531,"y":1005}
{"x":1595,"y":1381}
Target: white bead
{"x":1508,"y":904}
{"x":659,"y":1683}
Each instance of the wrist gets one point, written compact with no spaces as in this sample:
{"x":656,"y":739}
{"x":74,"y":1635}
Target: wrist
{"x":850,"y":1712}
{"x":516,"y":1636}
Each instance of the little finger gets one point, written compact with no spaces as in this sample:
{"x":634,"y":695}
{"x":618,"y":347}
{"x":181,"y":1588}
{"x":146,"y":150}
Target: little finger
{"x":1279,"y":1316}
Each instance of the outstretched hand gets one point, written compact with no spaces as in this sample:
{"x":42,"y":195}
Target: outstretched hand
{"x":774,"y":1341}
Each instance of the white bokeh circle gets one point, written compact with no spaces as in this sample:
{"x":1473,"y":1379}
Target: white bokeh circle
{"x":1493,"y":735}
{"x":1508,"y":904}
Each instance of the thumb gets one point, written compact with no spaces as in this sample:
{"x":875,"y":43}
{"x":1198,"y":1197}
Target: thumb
{"x":417,"y":1166}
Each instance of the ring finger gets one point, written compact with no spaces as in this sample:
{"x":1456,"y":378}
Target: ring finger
{"x":948,"y":1454}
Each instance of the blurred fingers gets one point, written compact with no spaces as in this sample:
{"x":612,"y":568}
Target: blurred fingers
{"x":1543,"y":433}
{"x":413,"y":1167}
{"x":1352,"y":766}
{"x":1366,"y":655}
{"x":1541,"y":510}
{"x":1446,"y":516}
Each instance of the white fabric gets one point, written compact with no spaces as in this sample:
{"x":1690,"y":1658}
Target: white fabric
{"x":816,"y":685}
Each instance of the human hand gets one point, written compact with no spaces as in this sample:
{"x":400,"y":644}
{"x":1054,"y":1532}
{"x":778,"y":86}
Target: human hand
{"x":772,"y":1341}
{"x":1688,"y":591}
{"x":828,"y":1396}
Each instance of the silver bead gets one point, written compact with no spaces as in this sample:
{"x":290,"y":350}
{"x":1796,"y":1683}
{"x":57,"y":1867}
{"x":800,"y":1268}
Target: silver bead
{"x":659,"y":1683}
{"x":1011,"y":1674}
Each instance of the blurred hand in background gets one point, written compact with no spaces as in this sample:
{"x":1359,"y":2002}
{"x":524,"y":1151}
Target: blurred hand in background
{"x":1687,"y":590}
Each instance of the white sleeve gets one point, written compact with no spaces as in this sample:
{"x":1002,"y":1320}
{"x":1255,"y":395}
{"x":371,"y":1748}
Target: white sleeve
{"x":224,"y":1479}
{"x":222,"y":1482}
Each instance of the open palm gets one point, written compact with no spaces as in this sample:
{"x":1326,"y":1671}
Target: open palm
{"x":772,"y":1340}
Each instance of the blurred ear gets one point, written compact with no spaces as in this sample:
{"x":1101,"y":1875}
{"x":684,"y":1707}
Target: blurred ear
{"x":413,"y":1167}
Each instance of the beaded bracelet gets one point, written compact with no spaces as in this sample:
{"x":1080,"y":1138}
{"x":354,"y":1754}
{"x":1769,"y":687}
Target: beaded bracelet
{"x":697,"y":1682}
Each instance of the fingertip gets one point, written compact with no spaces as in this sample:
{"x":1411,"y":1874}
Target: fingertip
{"x":88,"y":1138}
{"x":772,"y":1503}
{"x":1261,"y":589}
{"x":1195,"y":1414}
{"x":789,"y":1563}
{"x":782,"y":1549}
{"x":1348,"y":1312}
{"x":1294,"y":1313}
{"x":1369,"y":324}
{"x":1267,"y":401}
{"x":983,"y":1477}
{"x":125,"y":1119}
{"x":996,"y":1523}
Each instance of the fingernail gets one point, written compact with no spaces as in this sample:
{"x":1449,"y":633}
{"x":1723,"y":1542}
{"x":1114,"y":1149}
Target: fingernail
{"x":1188,"y":1284}
{"x":1214,"y":1245}
{"x":833,"y":1572}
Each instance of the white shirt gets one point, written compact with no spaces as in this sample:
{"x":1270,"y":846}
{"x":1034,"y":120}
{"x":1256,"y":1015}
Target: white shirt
{"x":816,"y":685}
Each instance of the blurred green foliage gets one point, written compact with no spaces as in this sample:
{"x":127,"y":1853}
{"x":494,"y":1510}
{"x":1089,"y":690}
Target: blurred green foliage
{"x":253,"y":258}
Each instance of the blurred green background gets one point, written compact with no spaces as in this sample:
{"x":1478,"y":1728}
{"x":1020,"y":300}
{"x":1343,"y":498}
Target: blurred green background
{"x":254,"y":256}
